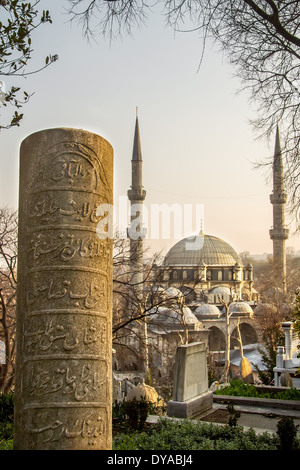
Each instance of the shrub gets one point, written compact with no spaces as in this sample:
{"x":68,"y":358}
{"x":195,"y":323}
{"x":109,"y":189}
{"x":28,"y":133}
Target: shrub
{"x":6,"y":407}
{"x":137,"y":412}
{"x":6,"y":421}
{"x":287,"y":433}
{"x":194,"y":435}
{"x":240,"y":389}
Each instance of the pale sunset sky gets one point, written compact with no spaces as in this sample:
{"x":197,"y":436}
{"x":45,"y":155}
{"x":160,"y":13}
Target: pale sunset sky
{"x":197,"y":144}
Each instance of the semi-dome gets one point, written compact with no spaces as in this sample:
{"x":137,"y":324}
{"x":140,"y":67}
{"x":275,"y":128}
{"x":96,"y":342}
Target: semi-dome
{"x":207,"y":310}
{"x":172,"y":293}
{"x":220,"y":290}
{"x":199,"y":249}
{"x":168,"y":315}
{"x":240,"y":308}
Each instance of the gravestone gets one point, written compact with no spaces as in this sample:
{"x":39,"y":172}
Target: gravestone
{"x":246,"y":371}
{"x":64,"y":299}
{"x":191,"y":396}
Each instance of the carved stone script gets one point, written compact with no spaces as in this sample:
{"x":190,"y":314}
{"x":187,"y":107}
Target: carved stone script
{"x":63,"y":364}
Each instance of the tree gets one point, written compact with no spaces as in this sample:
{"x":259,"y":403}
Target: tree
{"x":225,"y":374}
{"x":296,"y":313}
{"x":18,"y":21}
{"x":269,"y":317}
{"x":141,"y":302}
{"x":268,"y":283}
{"x":133,"y":301}
{"x":260,"y":38}
{"x":8,"y":284}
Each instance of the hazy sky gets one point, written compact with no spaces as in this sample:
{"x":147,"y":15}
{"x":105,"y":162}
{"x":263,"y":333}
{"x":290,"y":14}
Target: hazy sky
{"x":198,"y":146}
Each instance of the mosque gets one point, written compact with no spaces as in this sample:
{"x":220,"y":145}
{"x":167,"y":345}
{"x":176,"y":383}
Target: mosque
{"x":207,"y":273}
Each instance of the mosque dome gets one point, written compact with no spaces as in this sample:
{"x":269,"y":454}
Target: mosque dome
{"x":201,"y":249}
{"x":240,"y":308}
{"x":172,"y":293}
{"x":207,"y":310}
{"x":168,"y":315}
{"x":220,"y":290}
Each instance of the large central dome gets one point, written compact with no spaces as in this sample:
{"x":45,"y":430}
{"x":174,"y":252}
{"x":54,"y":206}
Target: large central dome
{"x":199,"y":249}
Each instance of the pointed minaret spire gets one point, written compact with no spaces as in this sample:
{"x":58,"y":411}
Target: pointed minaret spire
{"x":136,"y":195}
{"x":137,"y":149}
{"x":277,"y":166}
{"x":278,"y":233}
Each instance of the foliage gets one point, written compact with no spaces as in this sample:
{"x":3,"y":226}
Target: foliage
{"x":269,"y":360}
{"x":137,"y":412}
{"x":287,"y":432}
{"x":132,"y":414}
{"x":18,"y":21}
{"x":192,"y":435}
{"x":169,"y":434}
{"x":233,"y":415}
{"x":296,"y":313}
{"x":6,"y":421}
{"x":6,"y":407}
{"x":270,"y":318}
{"x":240,"y":389}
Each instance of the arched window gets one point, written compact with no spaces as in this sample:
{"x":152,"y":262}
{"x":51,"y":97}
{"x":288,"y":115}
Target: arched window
{"x":220,"y":275}
{"x":208,"y":275}
{"x":185,"y":275}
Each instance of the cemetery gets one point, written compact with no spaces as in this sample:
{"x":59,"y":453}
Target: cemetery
{"x":66,"y":394}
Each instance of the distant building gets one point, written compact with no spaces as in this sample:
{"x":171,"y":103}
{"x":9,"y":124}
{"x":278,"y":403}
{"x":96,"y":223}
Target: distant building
{"x":212,"y":267}
{"x":208,"y":272}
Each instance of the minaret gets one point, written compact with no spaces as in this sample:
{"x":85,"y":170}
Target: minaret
{"x":136,"y":195}
{"x":278,"y":232}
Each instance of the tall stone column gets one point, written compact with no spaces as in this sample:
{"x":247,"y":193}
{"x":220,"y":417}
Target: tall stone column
{"x":64,"y":299}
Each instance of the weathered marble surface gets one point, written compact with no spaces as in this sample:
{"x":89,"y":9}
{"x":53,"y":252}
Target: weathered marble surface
{"x":64,"y":298}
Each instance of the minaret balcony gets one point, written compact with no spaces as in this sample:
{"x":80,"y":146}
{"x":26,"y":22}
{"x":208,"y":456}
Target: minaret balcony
{"x":279,"y":233}
{"x":136,"y":194}
{"x":278,"y":198}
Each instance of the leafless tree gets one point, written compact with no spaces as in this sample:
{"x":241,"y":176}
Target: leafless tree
{"x":261,"y":38}
{"x":140,"y":301}
{"x":225,"y":374}
{"x":8,"y":284}
{"x":268,"y":283}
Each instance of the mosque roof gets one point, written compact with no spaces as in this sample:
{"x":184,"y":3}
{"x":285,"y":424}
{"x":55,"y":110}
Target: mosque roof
{"x":223,"y":290}
{"x":201,"y":249}
{"x":168,"y":315}
{"x":240,"y":308}
{"x":207,"y":310}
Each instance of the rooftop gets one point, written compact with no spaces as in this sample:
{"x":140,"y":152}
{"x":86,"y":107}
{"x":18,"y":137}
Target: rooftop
{"x":201,"y":250}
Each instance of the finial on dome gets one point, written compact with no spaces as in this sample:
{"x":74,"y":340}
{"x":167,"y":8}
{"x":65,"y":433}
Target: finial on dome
{"x":137,"y":111}
{"x":201,"y":229}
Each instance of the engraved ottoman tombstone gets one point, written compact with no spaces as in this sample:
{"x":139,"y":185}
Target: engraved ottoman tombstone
{"x":64,"y":299}
{"x":191,"y":396}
